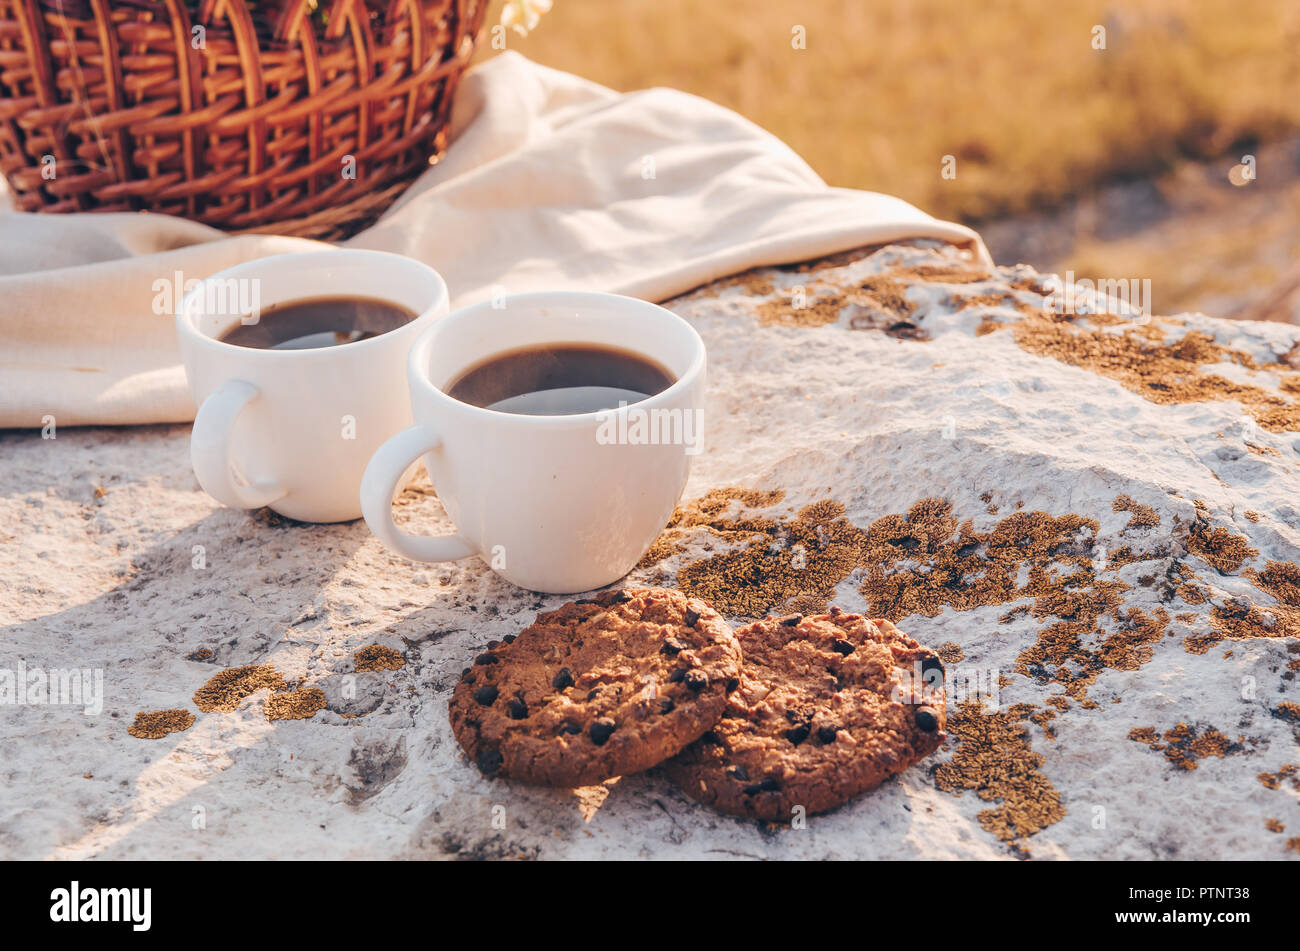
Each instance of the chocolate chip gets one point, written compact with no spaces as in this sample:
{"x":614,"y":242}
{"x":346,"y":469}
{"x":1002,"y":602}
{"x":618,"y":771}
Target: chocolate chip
{"x":672,"y":646}
{"x":767,"y":785}
{"x":692,"y":618}
{"x":798,"y":734}
{"x":841,"y":646}
{"x":711,"y":737}
{"x":827,"y":734}
{"x":489,"y":760}
{"x":790,"y":620}
{"x":562,"y":679}
{"x":486,"y":695}
{"x":677,"y":675}
{"x":927,"y":721}
{"x":509,"y":639}
{"x":466,"y":676}
{"x":732,"y":684}
{"x":666,"y":705}
{"x":483,"y":660}
{"x":738,"y":773}
{"x":517,"y":709}
{"x":696,"y":680}
{"x":493,"y":645}
{"x":932,"y":672}
{"x":571,"y":728}
{"x":800,"y":713}
{"x":601,"y":730}
{"x":591,"y":695}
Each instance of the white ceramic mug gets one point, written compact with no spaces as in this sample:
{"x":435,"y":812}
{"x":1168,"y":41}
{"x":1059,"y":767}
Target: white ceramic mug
{"x":294,"y":429}
{"x":552,"y":503}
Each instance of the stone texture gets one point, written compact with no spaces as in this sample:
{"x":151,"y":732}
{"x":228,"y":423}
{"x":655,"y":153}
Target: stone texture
{"x":1143,"y":631}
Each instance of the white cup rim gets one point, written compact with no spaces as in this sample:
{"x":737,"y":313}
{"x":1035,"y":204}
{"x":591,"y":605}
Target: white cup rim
{"x":417,"y":360}
{"x":187,"y":315}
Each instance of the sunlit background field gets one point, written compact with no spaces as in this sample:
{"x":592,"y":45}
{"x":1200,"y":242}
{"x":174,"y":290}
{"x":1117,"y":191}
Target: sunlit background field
{"x":1111,"y":161}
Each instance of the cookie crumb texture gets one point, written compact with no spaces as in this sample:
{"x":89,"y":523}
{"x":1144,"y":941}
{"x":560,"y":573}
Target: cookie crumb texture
{"x":828,"y":708}
{"x":602,"y":687}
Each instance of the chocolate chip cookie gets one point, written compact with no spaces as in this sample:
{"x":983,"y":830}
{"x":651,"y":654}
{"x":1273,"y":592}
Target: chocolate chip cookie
{"x":828,"y":707}
{"x":601,"y":687}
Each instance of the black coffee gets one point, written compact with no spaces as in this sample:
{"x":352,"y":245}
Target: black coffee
{"x":319,"y":322}
{"x":560,"y":380}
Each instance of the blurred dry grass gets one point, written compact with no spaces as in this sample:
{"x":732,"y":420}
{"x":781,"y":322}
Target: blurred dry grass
{"x":1012,"y":88}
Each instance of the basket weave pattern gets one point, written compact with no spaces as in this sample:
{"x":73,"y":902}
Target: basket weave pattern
{"x":249,"y":115}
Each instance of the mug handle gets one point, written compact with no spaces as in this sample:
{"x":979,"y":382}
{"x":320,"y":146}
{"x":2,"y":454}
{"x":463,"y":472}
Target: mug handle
{"x":377,"y":488}
{"x":210,"y":449}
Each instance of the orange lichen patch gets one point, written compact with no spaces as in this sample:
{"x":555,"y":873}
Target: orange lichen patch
{"x":156,"y":725}
{"x":1145,"y":734}
{"x":950,"y":652}
{"x":1290,"y":771}
{"x":804,"y":556}
{"x":711,"y":512}
{"x":803,"y":307}
{"x":923,"y":561}
{"x":887,"y":294}
{"x":201,"y":654}
{"x":1201,"y":643}
{"x":1288,"y":710}
{"x":756,"y":282}
{"x":1239,"y":619}
{"x":1252,"y":515}
{"x":1059,"y":701}
{"x":994,"y":299}
{"x":1160,"y":370}
{"x":1126,"y":556}
{"x":1219,"y":547}
{"x":1044,"y":718}
{"x":988,"y":325}
{"x":227,"y":688}
{"x":994,"y":758}
{"x":1133,"y":645}
{"x":807,"y":604}
{"x":296,"y":704}
{"x":660,"y":549}
{"x":1141,"y":516}
{"x":1281,"y":579}
{"x":1183,"y":746}
{"x":1192,"y":594}
{"x":1293,"y":845}
{"x":377,"y":657}
{"x":1275,"y":825}
{"x":940,"y":274}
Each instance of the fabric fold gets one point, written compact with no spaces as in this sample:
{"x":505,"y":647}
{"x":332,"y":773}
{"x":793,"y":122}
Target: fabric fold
{"x":551,"y":182}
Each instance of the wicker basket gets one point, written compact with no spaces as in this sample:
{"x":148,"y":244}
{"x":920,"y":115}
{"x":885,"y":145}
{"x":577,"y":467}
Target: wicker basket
{"x":290,"y":116}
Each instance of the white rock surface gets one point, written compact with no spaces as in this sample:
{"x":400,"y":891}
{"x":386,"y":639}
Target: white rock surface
{"x":99,"y":531}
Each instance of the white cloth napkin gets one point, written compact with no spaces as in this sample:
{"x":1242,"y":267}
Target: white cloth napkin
{"x":551,"y":182}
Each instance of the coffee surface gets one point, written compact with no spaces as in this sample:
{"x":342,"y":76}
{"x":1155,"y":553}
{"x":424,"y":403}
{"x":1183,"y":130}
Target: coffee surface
{"x":560,"y":380}
{"x":319,"y":322}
